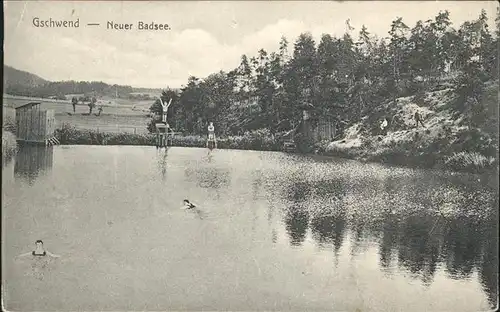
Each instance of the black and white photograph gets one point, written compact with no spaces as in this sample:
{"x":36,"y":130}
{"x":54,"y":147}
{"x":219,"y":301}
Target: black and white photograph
{"x":250,"y":156}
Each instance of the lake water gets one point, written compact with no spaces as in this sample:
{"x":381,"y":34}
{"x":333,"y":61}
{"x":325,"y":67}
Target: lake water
{"x":275,"y":232}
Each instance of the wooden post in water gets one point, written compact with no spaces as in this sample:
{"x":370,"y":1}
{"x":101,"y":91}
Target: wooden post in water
{"x":161,"y":135}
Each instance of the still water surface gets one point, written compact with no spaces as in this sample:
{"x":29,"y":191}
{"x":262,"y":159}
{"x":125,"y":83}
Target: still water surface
{"x":278,"y":232}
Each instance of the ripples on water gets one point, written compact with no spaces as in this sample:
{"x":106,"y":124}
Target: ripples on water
{"x":415,"y":223}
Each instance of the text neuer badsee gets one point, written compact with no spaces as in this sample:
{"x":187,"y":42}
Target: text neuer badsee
{"x":140,"y":26}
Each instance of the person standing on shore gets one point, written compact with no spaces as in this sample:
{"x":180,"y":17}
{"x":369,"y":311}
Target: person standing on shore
{"x":74,"y":101}
{"x":418,"y":119}
{"x":211,"y":135}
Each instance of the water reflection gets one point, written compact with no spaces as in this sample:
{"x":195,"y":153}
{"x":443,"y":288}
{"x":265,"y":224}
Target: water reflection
{"x":162,"y":163}
{"x":329,"y":222}
{"x":418,"y":252}
{"x":390,"y":220}
{"x":212,"y":178}
{"x":329,"y":229}
{"x":488,"y":272}
{"x":296,"y":216}
{"x":404,"y":221}
{"x":389,"y":241}
{"x":296,"y":223}
{"x":31,"y":161}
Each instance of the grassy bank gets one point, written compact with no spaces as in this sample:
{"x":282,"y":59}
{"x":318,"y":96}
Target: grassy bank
{"x":9,"y":145}
{"x":256,"y":140}
{"x":446,"y":141}
{"x":404,"y":152}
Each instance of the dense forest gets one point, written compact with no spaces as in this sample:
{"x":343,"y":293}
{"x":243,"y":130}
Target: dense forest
{"x":346,"y":78}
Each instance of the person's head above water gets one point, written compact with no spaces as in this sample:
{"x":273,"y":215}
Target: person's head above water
{"x":186,"y":201}
{"x":39,"y":245}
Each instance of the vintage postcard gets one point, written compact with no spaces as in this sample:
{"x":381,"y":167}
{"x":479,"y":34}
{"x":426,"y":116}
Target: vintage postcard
{"x":250,"y":156}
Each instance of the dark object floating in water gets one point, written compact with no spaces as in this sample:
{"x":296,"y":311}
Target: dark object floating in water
{"x":110,"y":222}
{"x":69,"y":114}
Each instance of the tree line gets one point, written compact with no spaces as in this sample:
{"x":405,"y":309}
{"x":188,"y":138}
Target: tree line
{"x":345,"y":78}
{"x":60,"y":89}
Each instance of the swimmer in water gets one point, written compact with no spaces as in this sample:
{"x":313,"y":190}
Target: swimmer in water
{"x":39,"y":251}
{"x":188,"y":204}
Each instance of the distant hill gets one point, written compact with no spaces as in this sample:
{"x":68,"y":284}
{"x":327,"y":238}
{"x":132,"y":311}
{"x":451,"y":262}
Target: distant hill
{"x":15,"y":77}
{"x":21,"y":83}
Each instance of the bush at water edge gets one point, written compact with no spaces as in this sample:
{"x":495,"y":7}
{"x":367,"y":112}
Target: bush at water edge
{"x":254,"y":140}
{"x":9,"y":145}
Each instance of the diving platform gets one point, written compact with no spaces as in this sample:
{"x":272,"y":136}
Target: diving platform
{"x":164,"y":135}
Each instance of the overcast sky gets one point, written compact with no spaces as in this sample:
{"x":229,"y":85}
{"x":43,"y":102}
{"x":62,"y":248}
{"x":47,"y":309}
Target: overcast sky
{"x":205,"y":37}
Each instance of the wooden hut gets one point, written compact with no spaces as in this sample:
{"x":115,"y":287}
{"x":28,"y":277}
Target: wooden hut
{"x":325,"y":128}
{"x":34,"y":125}
{"x":317,"y":128}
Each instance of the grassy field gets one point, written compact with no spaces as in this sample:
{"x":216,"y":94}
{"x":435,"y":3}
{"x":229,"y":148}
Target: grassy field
{"x":118,"y":115}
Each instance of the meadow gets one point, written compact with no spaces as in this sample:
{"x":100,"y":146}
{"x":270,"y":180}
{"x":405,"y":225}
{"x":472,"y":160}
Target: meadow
{"x":118,"y":115}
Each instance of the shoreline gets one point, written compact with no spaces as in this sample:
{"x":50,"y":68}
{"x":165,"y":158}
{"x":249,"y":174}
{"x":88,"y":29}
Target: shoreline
{"x":249,"y":142}
{"x":254,"y":142}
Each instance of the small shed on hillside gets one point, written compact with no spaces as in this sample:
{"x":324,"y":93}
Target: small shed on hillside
{"x":35,"y":125}
{"x":320,"y":127}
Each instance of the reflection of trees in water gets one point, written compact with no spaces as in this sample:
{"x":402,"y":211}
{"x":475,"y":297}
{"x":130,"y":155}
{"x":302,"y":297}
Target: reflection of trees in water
{"x":462,"y":247}
{"x":418,"y":252}
{"x":488,"y":272}
{"x":329,"y":222}
{"x":462,"y":244}
{"x":329,"y":229}
{"x":409,"y":229}
{"x":274,"y":236}
{"x":299,"y":192}
{"x":331,"y":189}
{"x":296,"y":223}
{"x":256,"y":183}
{"x":390,"y":225}
{"x":31,"y":160}
{"x":470,"y":245}
{"x":328,"y":226}
{"x":389,"y":241}
{"x":296,"y":217}
{"x":455,"y":241}
{"x":209,"y":177}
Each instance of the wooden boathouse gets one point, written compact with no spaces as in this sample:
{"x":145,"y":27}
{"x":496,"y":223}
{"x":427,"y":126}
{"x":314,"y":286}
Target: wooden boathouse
{"x":321,"y":127}
{"x":34,"y":125}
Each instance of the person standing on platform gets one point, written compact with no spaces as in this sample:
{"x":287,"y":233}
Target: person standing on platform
{"x":211,"y":135}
